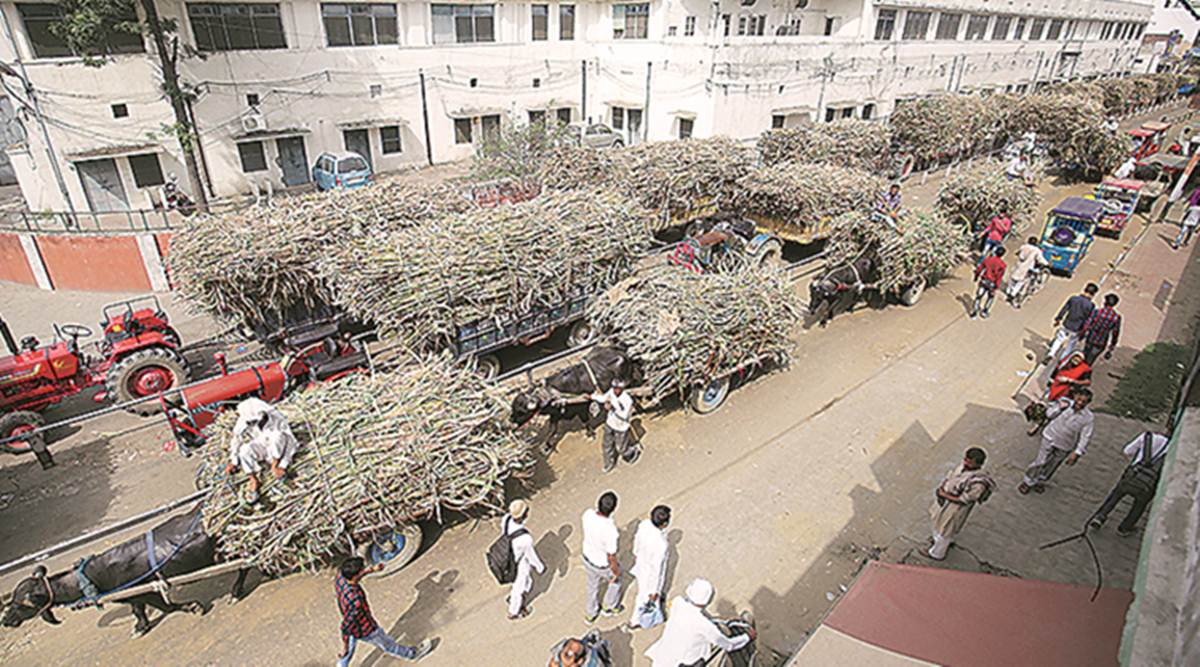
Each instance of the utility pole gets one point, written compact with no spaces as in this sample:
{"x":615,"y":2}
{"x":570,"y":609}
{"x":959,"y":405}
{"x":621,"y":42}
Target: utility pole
{"x":646,"y":107}
{"x":583,"y":90}
{"x":425,"y":119}
{"x":829,"y":70}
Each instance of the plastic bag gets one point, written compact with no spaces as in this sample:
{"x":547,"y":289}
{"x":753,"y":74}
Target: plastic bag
{"x":650,"y":614}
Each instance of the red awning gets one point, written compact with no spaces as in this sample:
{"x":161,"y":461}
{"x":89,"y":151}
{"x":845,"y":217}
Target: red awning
{"x":1124,"y":183}
{"x":968,"y":619}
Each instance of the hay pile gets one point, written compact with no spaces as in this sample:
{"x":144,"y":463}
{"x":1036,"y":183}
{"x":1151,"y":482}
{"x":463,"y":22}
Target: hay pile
{"x":684,"y":328}
{"x":254,"y":265}
{"x":849,"y":142}
{"x":974,"y":196}
{"x":375,"y":451}
{"x":924,"y":247}
{"x":419,"y":285}
{"x":804,"y":194}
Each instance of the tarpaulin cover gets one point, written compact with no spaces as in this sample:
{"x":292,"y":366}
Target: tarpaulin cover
{"x":1078,"y":207}
{"x":969,"y":619}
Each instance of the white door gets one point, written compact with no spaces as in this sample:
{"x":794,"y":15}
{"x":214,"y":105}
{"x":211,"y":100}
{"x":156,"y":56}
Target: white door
{"x":102,"y":185}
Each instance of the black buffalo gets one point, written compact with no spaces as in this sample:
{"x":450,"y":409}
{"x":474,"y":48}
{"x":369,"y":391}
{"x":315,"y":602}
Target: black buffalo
{"x":595,"y":373}
{"x":851,"y":278}
{"x":180,"y":546}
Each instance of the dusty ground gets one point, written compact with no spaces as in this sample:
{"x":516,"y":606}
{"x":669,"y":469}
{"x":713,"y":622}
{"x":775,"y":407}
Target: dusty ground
{"x":778,"y":497}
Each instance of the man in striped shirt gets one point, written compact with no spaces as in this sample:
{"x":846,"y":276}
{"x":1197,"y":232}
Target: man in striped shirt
{"x":1101,"y":330}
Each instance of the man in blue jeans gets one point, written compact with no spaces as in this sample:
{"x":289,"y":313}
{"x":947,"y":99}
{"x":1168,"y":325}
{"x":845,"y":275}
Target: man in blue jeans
{"x":357,"y":622}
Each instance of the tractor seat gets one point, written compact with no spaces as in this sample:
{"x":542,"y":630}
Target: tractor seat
{"x":311,"y":334}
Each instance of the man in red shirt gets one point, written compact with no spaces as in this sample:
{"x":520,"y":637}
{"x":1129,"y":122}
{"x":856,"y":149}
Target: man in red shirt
{"x":989,"y":274}
{"x":995,"y":232}
{"x":357,"y":622}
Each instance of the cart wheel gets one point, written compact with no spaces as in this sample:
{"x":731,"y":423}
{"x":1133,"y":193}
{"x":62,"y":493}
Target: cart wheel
{"x":769,"y":254}
{"x":393,"y":547}
{"x":488,"y":366}
{"x":582,"y":333}
{"x":911,"y":294}
{"x":709,"y":398}
{"x":16,"y":423}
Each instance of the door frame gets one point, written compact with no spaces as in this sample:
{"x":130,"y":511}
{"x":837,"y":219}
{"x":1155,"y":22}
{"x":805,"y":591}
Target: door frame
{"x":306,"y":169}
{"x":83,"y":183}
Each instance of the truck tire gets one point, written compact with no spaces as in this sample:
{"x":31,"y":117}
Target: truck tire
{"x":582,"y":333}
{"x":16,"y":423}
{"x":394,"y":547}
{"x":912,"y":292}
{"x":708,"y":399}
{"x":488,"y":366}
{"x":145,"y":373}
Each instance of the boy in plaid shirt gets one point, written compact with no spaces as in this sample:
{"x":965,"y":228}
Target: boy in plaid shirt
{"x":1101,"y":330}
{"x":357,"y":622}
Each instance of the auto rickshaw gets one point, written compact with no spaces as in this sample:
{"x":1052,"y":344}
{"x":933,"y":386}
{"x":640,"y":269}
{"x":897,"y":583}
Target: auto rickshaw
{"x":1147,"y":139}
{"x":1069,"y":231}
{"x":1120,"y":197}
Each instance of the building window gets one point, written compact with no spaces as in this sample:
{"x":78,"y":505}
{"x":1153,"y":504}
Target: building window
{"x":1036,"y":27}
{"x":685,"y":128}
{"x":777,"y":121}
{"x":462,"y":130}
{"x":389,"y":139}
{"x":253,"y":156}
{"x":725,"y":21}
{"x":885,"y":25}
{"x":671,"y":30}
{"x":792,"y":27}
{"x":252,"y":100}
{"x":537,"y":116}
{"x":463,"y":24}
{"x":868,"y":111}
{"x":1000,"y":27}
{"x":977,"y":26}
{"x":38,"y":18}
{"x":120,"y":110}
{"x":1019,"y":31}
{"x":689,"y":26}
{"x":147,"y":172}
{"x":222,"y":27}
{"x":829,"y":21}
{"x":618,"y":118}
{"x":631,"y":21}
{"x":1069,"y":33}
{"x":752,"y":25}
{"x":359,"y":25}
{"x":830,"y":114}
{"x":916,"y":25}
{"x":540,"y":15}
{"x":563,"y":114}
{"x":848,"y":112}
{"x":566,"y":22}
{"x":1055,"y":30}
{"x":489,"y":127}
{"x":947,"y":27}
{"x":1141,"y":28}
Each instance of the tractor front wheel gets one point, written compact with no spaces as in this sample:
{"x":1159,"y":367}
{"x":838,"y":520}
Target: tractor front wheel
{"x":16,"y":423}
{"x":145,"y":373}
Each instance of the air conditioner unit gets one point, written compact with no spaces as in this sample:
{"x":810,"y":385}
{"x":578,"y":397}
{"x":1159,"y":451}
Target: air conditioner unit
{"x":254,"y":122}
{"x":748,"y":3}
{"x":801,"y":4}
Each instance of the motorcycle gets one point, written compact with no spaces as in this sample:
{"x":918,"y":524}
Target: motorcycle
{"x":747,"y":655}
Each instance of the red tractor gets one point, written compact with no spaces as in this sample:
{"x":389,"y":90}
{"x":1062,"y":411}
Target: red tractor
{"x":137,"y":357}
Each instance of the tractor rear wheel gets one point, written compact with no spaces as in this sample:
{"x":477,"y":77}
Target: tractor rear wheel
{"x":16,"y":423}
{"x":145,"y":373}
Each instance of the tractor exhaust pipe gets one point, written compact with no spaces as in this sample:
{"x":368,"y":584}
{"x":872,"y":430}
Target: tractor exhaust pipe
{"x":8,"y":339}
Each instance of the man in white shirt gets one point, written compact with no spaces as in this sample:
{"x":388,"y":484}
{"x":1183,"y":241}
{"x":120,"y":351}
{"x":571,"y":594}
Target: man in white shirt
{"x":1064,"y":439}
{"x":1126,"y":169}
{"x":1188,"y":226}
{"x":1029,"y":255}
{"x":525,"y":555}
{"x":650,"y":560}
{"x":689,"y":636}
{"x":600,"y":537}
{"x":616,"y":427}
{"x":260,"y":436}
{"x":1017,"y":168}
{"x":1139,"y":481}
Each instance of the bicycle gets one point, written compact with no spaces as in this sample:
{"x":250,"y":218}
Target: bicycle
{"x":1033,"y":282}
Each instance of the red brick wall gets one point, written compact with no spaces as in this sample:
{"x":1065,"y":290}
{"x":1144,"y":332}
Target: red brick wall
{"x":94,"y":263}
{"x":14,"y":268}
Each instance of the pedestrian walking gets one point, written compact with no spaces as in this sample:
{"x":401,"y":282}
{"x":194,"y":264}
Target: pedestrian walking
{"x":994,"y":234}
{"x":649,"y":571}
{"x":600,"y":537}
{"x":524,"y":554}
{"x":1101,"y":330}
{"x":357,"y":622}
{"x":689,"y":635}
{"x":1029,"y":256}
{"x":1139,"y":480}
{"x":1064,"y":439}
{"x":617,"y":438}
{"x":1188,"y":226}
{"x":963,"y":487}
{"x":1069,"y":322}
{"x":989,"y":274}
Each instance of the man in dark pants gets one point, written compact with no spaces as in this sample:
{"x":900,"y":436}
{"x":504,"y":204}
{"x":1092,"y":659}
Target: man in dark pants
{"x":1069,"y":320}
{"x":1139,"y":481}
{"x":1101,"y":331}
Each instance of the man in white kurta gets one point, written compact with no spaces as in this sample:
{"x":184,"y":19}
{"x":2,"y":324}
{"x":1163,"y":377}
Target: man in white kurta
{"x":689,"y":635}
{"x":650,"y":559}
{"x":525,"y":555}
{"x":260,"y":436}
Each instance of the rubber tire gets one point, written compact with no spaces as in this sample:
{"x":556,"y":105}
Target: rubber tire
{"x":703,"y":407}
{"x":488,"y":366}
{"x":115,"y":381}
{"x":618,"y":144}
{"x":769,"y":253}
{"x":12,"y":420}
{"x":582,"y":332}
{"x":413,"y":536}
{"x":911,"y":294}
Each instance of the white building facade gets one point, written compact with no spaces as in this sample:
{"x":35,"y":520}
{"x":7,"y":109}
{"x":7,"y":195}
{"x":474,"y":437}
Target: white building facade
{"x":409,"y":83}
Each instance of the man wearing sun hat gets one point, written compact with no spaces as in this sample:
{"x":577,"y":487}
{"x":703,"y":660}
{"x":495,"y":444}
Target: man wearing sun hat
{"x":689,"y":635}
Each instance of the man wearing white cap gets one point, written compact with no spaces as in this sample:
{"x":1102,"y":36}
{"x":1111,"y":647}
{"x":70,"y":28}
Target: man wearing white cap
{"x":260,"y":436}
{"x":689,"y":636}
{"x":616,"y":427}
{"x":525,"y":555}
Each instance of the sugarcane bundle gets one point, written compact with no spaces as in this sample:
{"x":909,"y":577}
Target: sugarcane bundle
{"x":974,"y":196}
{"x":1088,"y":89}
{"x":420,"y":285}
{"x":255,"y":264}
{"x":802,"y":194}
{"x":1165,"y":85}
{"x":1118,"y":95}
{"x":1144,"y":91}
{"x":848,"y":142}
{"x":685,"y":329}
{"x":570,"y":167}
{"x":376,"y":451}
{"x":941,"y":126}
{"x":1065,"y":122}
{"x":922,"y":246}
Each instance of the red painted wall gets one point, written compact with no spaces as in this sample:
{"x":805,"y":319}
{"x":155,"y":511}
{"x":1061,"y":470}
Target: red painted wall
{"x":14,"y":268}
{"x":94,"y":263}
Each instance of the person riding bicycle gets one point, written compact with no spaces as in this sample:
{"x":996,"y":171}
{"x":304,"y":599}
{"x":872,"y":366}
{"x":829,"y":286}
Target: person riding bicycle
{"x":1029,"y":257}
{"x":989,"y":273}
{"x":996,"y":231}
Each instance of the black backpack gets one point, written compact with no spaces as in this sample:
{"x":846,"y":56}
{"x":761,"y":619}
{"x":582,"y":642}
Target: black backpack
{"x":500,"y":557}
{"x":1143,"y":476}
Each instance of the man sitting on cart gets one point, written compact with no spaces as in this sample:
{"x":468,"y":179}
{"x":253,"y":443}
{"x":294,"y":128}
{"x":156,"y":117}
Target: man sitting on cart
{"x":261,"y":436}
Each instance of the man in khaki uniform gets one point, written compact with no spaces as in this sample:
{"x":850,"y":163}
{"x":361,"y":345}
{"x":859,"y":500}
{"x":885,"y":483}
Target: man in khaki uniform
{"x":963,"y":488}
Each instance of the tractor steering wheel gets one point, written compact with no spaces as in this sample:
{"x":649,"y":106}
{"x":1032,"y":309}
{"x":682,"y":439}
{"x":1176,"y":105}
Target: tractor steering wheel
{"x":75,"y":331}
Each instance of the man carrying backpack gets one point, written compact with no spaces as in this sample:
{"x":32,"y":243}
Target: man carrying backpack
{"x":512,"y":557}
{"x":1139,"y":480}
